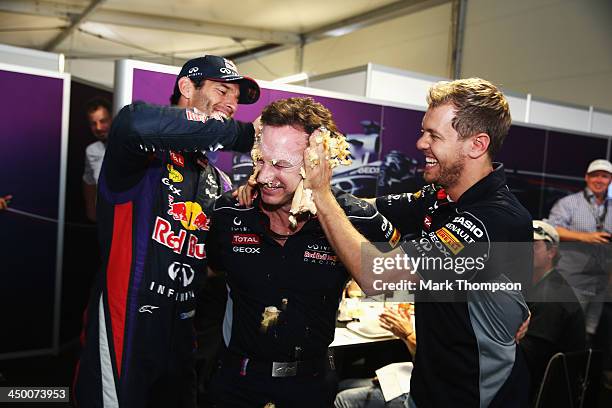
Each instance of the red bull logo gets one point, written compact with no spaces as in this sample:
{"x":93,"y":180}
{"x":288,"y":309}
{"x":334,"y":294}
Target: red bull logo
{"x":162,"y":233}
{"x":190,"y":215}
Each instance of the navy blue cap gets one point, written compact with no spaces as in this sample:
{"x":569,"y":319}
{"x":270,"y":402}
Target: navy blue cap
{"x":221,"y":69}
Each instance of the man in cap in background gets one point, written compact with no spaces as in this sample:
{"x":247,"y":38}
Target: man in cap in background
{"x":557,"y":321}
{"x":138,"y":337}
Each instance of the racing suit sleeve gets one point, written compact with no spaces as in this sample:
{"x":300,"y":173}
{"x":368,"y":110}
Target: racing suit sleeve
{"x":140,"y":129}
{"x":212,"y":244}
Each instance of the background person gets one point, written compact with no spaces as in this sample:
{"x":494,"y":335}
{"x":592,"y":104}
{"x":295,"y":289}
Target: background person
{"x":99,"y":117}
{"x":4,"y":201}
{"x":557,"y":321}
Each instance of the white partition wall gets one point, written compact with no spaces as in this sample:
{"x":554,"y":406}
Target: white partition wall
{"x":410,"y":88}
{"x":26,"y":57}
{"x":33,"y":136}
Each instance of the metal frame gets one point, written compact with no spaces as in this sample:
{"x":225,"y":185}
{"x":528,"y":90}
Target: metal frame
{"x":75,"y":23}
{"x":123,"y":18}
{"x":61,"y":206}
{"x":123,"y":86}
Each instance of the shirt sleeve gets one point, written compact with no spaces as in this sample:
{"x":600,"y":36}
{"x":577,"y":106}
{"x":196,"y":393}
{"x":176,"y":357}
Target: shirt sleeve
{"x":374,"y":226}
{"x":88,"y":173}
{"x":405,"y":210}
{"x":560,"y":215}
{"x":139,"y":130}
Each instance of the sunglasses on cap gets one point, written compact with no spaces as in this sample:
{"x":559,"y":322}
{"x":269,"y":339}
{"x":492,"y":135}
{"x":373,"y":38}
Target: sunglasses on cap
{"x":541,"y":231}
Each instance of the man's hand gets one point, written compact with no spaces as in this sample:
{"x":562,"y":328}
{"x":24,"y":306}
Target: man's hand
{"x":522,"y":330}
{"x":596,"y":237}
{"x":257,"y":124}
{"x":4,"y":201}
{"x":316,"y":165}
{"x":397,"y":322}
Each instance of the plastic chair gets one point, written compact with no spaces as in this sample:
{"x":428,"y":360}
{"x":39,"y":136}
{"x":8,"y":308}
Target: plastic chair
{"x":568,"y":378}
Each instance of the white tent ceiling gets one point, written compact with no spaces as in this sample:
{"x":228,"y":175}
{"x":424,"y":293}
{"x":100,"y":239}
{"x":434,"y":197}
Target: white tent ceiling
{"x":170,"y":31}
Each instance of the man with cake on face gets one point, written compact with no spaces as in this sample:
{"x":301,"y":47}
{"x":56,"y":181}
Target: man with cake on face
{"x":284,"y":280}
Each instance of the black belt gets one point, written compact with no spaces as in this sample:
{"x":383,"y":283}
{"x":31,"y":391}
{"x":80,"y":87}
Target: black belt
{"x":244,"y":364}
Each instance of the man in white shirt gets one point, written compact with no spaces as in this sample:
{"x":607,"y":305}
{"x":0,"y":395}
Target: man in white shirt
{"x":99,"y":118}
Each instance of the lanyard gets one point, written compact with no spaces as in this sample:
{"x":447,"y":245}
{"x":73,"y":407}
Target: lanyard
{"x":599,"y":221}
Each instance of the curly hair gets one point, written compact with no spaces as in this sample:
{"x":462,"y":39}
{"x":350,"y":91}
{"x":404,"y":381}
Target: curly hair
{"x":302,"y":112}
{"x":480,"y":108}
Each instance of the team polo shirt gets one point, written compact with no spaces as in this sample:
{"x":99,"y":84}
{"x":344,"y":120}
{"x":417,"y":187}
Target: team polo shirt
{"x":466,"y":354}
{"x":303,"y":279}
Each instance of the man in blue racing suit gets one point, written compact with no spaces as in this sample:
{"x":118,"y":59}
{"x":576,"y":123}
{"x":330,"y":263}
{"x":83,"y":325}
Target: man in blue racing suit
{"x":138,"y":338}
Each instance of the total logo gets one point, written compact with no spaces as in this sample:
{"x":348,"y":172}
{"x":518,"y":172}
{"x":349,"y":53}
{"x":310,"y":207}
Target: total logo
{"x":181,"y":271}
{"x":162,"y":233}
{"x":245,"y":239}
{"x":189,"y":213}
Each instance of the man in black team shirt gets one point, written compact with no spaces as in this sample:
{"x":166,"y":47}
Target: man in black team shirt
{"x":284,"y":282}
{"x":466,"y":354}
{"x":152,"y":218}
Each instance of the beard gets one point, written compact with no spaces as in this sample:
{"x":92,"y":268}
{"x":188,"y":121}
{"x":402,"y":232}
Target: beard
{"x":449,"y":173}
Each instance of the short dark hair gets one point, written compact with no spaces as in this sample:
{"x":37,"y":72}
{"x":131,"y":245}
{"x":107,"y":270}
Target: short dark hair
{"x":198,"y":82}
{"x":97,"y":102}
{"x":302,"y":112}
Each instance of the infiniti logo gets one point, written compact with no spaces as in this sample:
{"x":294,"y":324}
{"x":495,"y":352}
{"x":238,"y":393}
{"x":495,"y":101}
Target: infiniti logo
{"x":237,"y":222}
{"x":184,"y":272}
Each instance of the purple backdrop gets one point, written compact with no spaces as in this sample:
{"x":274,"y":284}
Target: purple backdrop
{"x":31,"y":117}
{"x":375,"y":131}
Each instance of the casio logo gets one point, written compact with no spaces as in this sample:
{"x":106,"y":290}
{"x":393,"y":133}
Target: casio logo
{"x":469,"y":225}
